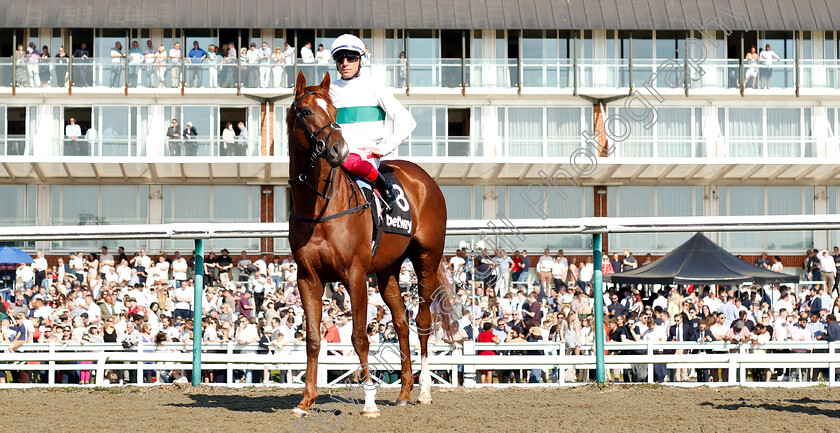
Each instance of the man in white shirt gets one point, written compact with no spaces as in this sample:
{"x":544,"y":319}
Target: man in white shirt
{"x":72,"y":132}
{"x":828,"y":270}
{"x":712,"y":302}
{"x":504,"y":264}
{"x":264,"y":54}
{"x":766,"y":58}
{"x":544,"y":265}
{"x":175,"y":61}
{"x":179,"y":269}
{"x":106,"y":261}
{"x":322,"y":57}
{"x":39,"y":266}
{"x":93,"y":310}
{"x":182,"y":297}
{"x":262,"y":265}
{"x":559,"y":269}
{"x":77,"y":264}
{"x":306,"y":54}
{"x":26,"y":275}
{"x":457,"y":260}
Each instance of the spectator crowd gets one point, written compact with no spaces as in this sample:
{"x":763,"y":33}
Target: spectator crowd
{"x":140,"y":301}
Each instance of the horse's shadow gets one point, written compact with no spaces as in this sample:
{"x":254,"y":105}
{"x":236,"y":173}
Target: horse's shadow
{"x":798,"y":406}
{"x":270,"y":403}
{"x":242,"y":403}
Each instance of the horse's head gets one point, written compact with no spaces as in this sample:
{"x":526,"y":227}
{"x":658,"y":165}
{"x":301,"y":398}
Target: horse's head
{"x":314,"y":113}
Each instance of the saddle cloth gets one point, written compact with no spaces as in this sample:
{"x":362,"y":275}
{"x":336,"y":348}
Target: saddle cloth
{"x":397,"y":220}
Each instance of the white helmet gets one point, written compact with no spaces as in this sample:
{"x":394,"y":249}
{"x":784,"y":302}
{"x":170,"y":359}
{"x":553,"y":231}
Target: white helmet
{"x":348,"y":42}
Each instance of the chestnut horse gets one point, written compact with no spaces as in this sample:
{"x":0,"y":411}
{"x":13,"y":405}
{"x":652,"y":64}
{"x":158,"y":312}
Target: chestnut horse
{"x":330,"y":232}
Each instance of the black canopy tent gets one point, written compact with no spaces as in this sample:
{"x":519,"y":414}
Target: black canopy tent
{"x":699,"y":261}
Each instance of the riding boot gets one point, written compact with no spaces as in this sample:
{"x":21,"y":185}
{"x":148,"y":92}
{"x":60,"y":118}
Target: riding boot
{"x":386,"y":190}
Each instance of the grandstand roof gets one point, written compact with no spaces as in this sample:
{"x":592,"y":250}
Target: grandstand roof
{"x":424,"y":14}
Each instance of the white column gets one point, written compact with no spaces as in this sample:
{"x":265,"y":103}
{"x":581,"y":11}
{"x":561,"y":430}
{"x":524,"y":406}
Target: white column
{"x":490,"y":131}
{"x":155,"y":213}
{"x":43,"y":214}
{"x":712,"y":135}
{"x":157,"y":131}
{"x":42,"y":135}
{"x":826,"y":145}
{"x":822,"y":238}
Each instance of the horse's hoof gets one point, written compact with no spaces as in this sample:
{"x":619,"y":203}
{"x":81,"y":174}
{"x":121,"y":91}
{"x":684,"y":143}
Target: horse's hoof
{"x":371,"y":413}
{"x":300,"y":413}
{"x":425,"y":401}
{"x":401,"y":403}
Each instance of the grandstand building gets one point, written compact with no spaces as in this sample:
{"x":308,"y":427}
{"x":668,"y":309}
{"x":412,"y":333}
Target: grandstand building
{"x":525,"y":109}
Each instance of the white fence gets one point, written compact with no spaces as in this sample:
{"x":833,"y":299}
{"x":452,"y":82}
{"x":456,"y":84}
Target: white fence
{"x":338,"y":362}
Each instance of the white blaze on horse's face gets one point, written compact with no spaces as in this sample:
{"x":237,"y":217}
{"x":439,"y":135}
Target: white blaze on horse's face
{"x":321,"y":103}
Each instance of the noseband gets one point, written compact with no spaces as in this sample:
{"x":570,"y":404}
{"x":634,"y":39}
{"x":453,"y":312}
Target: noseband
{"x":318,"y":148}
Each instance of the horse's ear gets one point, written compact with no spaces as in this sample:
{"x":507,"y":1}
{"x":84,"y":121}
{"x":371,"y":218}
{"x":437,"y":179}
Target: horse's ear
{"x":325,"y":83}
{"x":300,"y":84}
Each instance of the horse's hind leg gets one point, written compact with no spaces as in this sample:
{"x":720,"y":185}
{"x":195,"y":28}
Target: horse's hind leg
{"x":390,"y":291}
{"x":358,"y":300}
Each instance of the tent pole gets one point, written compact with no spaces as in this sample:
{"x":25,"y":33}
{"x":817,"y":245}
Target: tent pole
{"x":597,"y":287}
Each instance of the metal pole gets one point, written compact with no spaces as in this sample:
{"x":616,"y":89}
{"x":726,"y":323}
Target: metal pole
{"x":519,"y":64}
{"x":685,"y":62}
{"x":796,"y":55}
{"x":238,"y":62}
{"x":294,"y":77}
{"x":14,"y":62}
{"x":70,"y":64}
{"x":183,"y":61}
{"x":125,"y":62}
{"x":741,"y":64}
{"x":630,"y":61}
{"x":407,"y":62}
{"x":574,"y":63}
{"x":197,"y":311}
{"x":463,"y":63}
{"x":599,"y":310}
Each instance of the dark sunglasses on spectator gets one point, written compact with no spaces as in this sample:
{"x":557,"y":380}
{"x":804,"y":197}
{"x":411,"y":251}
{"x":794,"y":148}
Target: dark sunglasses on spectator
{"x":351,"y":57}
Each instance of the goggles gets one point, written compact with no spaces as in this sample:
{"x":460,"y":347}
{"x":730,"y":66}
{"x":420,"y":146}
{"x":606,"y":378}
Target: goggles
{"x":351,"y":57}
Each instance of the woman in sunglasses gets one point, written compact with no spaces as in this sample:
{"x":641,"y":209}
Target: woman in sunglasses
{"x":362,"y":104}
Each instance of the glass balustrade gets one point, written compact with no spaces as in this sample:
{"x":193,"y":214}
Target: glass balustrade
{"x":776,"y":147}
{"x":425,"y":73}
{"x":15,"y":145}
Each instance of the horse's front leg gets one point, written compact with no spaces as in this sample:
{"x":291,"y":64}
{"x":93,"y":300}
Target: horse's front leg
{"x":311,"y":291}
{"x":358,"y":300}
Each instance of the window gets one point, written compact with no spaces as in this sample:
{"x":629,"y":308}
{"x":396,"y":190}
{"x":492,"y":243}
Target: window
{"x":216,"y":204}
{"x":539,"y":202}
{"x":462,"y":203}
{"x":543,"y":131}
{"x":625,"y":201}
{"x":662,"y":132}
{"x":773,"y":132}
{"x":771,"y":200}
{"x":18,"y":209}
{"x":99,"y":205}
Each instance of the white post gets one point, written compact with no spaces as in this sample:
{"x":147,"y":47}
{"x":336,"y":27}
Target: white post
{"x":832,"y":367}
{"x":139,"y":363}
{"x":100,"y":368}
{"x":650,"y":365}
{"x":733,"y":366}
{"x":51,"y":371}
{"x":229,"y":373}
{"x":469,"y":369}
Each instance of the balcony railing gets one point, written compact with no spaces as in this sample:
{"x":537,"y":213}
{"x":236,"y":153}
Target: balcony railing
{"x":15,"y":145}
{"x":450,"y":146}
{"x":426,"y":73}
{"x":775,"y":147}
{"x":671,"y":147}
{"x":136,"y":147}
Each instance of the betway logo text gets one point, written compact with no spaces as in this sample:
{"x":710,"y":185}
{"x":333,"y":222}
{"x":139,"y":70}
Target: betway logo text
{"x":398,"y":222}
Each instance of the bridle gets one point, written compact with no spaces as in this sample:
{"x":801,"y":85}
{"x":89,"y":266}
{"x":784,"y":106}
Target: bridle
{"x":317,"y":150}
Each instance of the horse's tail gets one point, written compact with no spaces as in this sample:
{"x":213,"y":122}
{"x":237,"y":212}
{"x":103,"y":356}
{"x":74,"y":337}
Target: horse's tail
{"x":443,"y":300}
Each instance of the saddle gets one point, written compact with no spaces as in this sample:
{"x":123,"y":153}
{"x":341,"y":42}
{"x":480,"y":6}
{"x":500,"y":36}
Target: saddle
{"x":397,"y":220}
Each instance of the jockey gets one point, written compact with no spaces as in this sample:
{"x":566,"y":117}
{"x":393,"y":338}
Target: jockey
{"x":362,"y":104}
